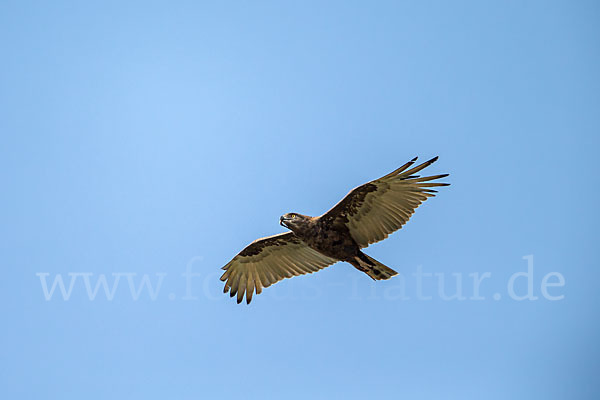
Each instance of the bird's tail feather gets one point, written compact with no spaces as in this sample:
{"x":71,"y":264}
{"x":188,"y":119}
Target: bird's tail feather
{"x":372,"y":267}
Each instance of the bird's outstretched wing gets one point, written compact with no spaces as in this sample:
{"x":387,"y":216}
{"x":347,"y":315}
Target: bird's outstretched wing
{"x":269,"y":260}
{"x":374,"y":210}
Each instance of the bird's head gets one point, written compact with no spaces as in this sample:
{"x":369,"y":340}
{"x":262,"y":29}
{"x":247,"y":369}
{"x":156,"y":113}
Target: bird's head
{"x":293,"y":221}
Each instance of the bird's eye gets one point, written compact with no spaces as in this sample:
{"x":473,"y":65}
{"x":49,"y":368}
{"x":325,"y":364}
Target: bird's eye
{"x":293,"y":216}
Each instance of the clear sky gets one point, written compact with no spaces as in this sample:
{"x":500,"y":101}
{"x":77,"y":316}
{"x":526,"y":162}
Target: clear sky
{"x":147,"y":139}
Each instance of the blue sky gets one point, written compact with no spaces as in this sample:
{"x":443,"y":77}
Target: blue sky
{"x":144,"y":138}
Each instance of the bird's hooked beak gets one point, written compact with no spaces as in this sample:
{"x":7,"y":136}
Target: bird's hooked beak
{"x":282,"y":220}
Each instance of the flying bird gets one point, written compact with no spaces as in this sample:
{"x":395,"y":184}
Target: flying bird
{"x":368,"y":214}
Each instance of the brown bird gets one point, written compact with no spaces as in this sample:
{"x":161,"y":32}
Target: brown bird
{"x":368,"y":214}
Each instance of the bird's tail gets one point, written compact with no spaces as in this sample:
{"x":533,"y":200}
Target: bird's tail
{"x":372,"y":267}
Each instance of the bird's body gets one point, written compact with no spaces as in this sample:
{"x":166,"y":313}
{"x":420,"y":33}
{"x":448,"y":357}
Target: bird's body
{"x":335,"y":241}
{"x":332,"y":241}
{"x":369,"y":213}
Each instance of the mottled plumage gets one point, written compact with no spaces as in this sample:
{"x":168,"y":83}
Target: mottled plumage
{"x":368,"y":214}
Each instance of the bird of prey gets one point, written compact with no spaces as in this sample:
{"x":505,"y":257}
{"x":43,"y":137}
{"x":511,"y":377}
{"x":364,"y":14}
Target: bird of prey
{"x":368,"y":214}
